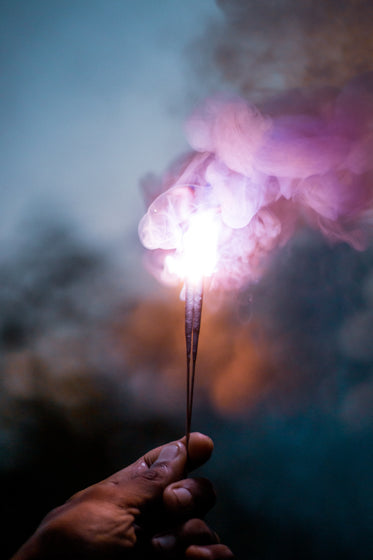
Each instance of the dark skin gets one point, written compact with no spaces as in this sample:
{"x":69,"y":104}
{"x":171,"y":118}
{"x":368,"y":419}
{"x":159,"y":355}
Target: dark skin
{"x":149,"y":510}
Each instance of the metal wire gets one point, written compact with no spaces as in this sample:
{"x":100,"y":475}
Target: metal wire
{"x":193,"y":311}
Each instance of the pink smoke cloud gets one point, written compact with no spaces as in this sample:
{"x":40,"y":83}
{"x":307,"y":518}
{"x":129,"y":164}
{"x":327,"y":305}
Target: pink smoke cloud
{"x":303,"y":158}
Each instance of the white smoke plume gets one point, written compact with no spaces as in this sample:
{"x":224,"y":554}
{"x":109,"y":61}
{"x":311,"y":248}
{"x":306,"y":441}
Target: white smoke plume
{"x":302,"y":157}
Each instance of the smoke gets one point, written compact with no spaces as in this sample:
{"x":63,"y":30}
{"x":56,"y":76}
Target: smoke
{"x":290,"y":153}
{"x":262,"y":47}
{"x":301,"y":158}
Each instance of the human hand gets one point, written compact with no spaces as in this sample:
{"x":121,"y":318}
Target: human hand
{"x":146,"y":510}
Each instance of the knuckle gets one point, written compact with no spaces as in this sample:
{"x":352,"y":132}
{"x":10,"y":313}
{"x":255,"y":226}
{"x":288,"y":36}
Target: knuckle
{"x":196,"y":527}
{"x":91,"y":492}
{"x":204,"y":492}
{"x":56,"y":512}
{"x":154,"y":474}
{"x":206,"y":485}
{"x":223,"y":552}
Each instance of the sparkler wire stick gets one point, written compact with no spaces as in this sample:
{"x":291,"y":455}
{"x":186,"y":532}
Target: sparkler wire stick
{"x":193,"y":311}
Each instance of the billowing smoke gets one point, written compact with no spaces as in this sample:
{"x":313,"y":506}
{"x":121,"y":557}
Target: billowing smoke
{"x":301,"y":158}
{"x":265,"y":46}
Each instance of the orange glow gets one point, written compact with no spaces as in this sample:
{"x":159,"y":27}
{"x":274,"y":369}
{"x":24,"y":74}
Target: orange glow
{"x":235,"y":362}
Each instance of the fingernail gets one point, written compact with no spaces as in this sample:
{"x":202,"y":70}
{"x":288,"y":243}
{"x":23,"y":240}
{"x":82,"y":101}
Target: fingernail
{"x":168,"y":453}
{"x":183,"y":496}
{"x":165,"y":542}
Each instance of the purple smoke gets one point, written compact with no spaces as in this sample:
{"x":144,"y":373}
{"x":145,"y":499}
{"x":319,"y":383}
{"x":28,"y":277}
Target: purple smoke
{"x":302,"y":158}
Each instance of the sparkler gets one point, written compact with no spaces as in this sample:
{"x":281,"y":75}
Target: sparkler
{"x":193,"y":311}
{"x":195,"y":260}
{"x":250,"y":182}
{"x":180,"y":221}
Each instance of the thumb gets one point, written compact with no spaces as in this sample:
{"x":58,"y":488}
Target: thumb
{"x":144,"y":481}
{"x":151,"y":474}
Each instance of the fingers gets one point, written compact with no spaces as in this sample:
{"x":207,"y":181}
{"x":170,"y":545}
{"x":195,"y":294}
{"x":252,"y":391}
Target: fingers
{"x":144,"y":481}
{"x":192,"y":497}
{"x":193,"y":532}
{"x":211,"y":552}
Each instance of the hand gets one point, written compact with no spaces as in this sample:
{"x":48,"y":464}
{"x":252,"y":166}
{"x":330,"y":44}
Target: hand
{"x":146,"y":510}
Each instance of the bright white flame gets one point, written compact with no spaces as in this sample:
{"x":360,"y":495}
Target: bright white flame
{"x":198,"y":254}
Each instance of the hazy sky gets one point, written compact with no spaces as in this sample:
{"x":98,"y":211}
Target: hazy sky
{"x":94,"y":95}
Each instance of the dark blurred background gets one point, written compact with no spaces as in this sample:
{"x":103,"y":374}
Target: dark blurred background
{"x":93,"y":97}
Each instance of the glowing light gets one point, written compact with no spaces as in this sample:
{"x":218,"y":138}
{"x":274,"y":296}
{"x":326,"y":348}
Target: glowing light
{"x":198,"y":254}
{"x":308,"y":161}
